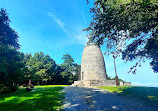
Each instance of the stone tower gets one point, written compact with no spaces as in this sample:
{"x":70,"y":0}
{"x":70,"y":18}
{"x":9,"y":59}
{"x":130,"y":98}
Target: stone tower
{"x":93,"y":72}
{"x":92,"y":64}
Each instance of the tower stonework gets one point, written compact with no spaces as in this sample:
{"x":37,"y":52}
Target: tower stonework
{"x":92,"y":64}
{"x":93,"y":71}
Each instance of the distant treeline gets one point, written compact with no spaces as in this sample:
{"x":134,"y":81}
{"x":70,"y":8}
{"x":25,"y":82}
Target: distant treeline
{"x":42,"y":69}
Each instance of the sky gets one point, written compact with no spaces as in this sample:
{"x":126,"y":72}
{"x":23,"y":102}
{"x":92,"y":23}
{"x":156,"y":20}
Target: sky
{"x":55,"y":28}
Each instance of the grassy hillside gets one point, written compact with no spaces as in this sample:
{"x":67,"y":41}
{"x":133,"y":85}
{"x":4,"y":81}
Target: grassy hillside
{"x":148,"y":94}
{"x":45,"y":98}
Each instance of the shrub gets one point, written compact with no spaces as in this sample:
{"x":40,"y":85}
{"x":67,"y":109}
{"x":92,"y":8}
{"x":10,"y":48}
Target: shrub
{"x":8,"y":89}
{"x":32,"y":86}
{"x":14,"y":88}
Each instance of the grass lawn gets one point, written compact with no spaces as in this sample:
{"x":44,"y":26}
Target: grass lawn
{"x":45,"y":98}
{"x":148,"y":94}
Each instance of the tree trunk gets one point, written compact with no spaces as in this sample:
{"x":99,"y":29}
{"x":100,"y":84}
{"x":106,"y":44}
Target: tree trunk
{"x":29,"y":82}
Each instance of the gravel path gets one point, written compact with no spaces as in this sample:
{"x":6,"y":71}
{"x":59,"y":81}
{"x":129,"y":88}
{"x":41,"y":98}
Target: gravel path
{"x":88,"y":99}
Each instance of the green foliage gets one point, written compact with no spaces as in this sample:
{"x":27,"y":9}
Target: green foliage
{"x":68,"y":63}
{"x":8,"y":89}
{"x":126,"y":27}
{"x":152,"y":52}
{"x":7,"y":35}
{"x":11,"y":64}
{"x":45,"y":98}
{"x":41,"y":67}
{"x":77,"y":72}
{"x":109,"y":78}
{"x":71,"y":69}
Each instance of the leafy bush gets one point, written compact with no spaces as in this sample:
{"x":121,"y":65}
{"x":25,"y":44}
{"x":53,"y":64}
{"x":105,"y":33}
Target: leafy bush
{"x":14,"y":88}
{"x":4,"y":89}
{"x":32,"y":86}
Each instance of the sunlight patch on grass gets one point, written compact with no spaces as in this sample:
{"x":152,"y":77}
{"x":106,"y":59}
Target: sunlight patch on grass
{"x":45,"y":86}
{"x":19,"y":99}
{"x":22,"y":99}
{"x":8,"y":99}
{"x":47,"y":97}
{"x":152,"y":97}
{"x":118,"y":89}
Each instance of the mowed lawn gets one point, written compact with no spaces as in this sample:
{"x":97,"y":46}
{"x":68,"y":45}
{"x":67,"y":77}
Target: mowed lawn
{"x":147,"y":94}
{"x":45,"y":98}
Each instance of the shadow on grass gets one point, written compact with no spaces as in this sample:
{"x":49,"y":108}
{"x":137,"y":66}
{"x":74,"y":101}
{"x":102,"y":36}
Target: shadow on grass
{"x":43,"y":99}
{"x":147,"y":94}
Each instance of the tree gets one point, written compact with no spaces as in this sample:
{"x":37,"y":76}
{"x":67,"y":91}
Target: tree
{"x":67,"y":65}
{"x":127,"y":28}
{"x":11,"y":64}
{"x":8,"y":36}
{"x":76,"y":71}
{"x":71,"y":69}
{"x":68,"y":62}
{"x":41,"y":67}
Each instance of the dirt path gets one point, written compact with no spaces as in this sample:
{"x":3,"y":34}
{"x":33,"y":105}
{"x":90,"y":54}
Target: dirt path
{"x":88,"y":99}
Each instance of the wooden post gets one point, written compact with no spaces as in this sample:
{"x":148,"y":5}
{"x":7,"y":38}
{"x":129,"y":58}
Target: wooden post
{"x":117,"y":81}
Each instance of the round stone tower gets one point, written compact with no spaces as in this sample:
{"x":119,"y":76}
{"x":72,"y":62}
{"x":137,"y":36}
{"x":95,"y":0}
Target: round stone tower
{"x":92,"y":64}
{"x":93,"y":72}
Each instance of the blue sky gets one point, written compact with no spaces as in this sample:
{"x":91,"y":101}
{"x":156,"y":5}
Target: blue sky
{"x":55,"y":27}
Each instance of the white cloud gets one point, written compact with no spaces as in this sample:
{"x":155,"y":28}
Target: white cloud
{"x":59,"y":22}
{"x":83,"y":15}
{"x":79,"y":37}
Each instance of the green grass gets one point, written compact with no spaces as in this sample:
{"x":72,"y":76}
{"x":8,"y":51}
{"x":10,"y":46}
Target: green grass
{"x":114,"y":88}
{"x":45,"y":98}
{"x":148,"y":94}
{"x":46,"y":86}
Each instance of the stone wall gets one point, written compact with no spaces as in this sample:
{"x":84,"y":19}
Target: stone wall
{"x":124,"y":83}
{"x":99,"y":83}
{"x":95,"y":83}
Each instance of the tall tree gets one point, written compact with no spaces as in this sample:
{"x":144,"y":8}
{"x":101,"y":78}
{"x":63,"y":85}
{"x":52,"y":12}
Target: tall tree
{"x":68,"y":62}
{"x":41,"y":66}
{"x":71,"y":69}
{"x":11,"y":64}
{"x":8,"y":36}
{"x":76,"y":72}
{"x":127,"y":27}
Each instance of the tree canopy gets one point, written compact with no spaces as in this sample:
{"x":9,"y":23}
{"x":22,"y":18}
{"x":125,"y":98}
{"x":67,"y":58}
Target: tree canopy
{"x":128,"y":28}
{"x":11,"y":64}
{"x":71,"y":69}
{"x":42,"y":66}
{"x":8,"y":36}
{"x":68,"y":62}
